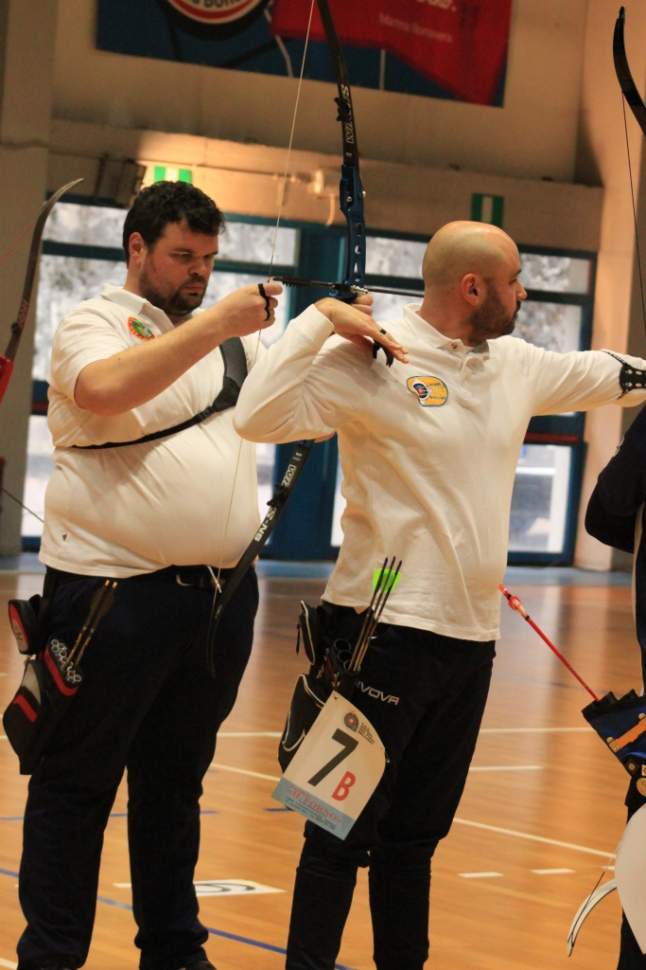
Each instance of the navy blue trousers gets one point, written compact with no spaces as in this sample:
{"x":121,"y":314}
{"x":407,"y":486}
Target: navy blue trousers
{"x":441,"y":684}
{"x":147,"y":705}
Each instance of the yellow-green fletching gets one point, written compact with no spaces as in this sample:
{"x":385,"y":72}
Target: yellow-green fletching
{"x":385,"y":579}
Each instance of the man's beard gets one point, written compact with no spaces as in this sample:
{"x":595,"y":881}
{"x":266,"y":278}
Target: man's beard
{"x":491,"y":319}
{"x":176,"y":304}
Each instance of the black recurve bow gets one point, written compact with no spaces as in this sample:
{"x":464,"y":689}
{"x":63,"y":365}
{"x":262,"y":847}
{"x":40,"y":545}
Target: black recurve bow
{"x":18,"y":326}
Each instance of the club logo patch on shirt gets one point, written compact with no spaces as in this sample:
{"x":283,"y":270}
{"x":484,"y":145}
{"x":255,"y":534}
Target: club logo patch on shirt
{"x":431,"y":392}
{"x":139,"y":329}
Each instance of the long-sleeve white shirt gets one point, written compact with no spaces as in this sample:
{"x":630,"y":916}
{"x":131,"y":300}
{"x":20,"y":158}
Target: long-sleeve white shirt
{"x":428,"y":452}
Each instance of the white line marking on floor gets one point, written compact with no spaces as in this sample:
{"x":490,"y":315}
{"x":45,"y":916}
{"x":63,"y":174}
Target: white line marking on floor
{"x":480,"y":875}
{"x":250,"y":734}
{"x":535,"y":838}
{"x":6,"y":963}
{"x":529,"y":730}
{"x":502,"y":730}
{"x":243,"y":771}
{"x":257,"y":774}
{"x":552,"y":872}
{"x":505,"y":768}
{"x":462,"y":821}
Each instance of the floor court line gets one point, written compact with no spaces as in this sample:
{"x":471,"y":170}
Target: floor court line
{"x":224,"y":934}
{"x":534,"y":838}
{"x":215,"y":766}
{"x":498,"y":730}
{"x":462,"y":821}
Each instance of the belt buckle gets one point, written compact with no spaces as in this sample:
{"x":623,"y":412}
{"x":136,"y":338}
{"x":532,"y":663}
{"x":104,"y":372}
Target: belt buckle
{"x":180,"y":581}
{"x":215,"y":582}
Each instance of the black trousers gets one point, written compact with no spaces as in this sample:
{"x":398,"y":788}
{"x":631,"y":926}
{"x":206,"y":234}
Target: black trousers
{"x":147,"y":704}
{"x":441,"y":686}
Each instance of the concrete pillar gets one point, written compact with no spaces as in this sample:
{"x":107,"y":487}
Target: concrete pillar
{"x":27,"y":40}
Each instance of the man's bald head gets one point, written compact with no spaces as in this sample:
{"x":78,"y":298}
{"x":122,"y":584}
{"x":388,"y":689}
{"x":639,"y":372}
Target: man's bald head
{"x":463,"y":247}
{"x":472,"y":288}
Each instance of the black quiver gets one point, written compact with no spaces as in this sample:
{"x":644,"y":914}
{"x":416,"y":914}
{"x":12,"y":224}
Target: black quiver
{"x":328,"y":651}
{"x":51,"y":676}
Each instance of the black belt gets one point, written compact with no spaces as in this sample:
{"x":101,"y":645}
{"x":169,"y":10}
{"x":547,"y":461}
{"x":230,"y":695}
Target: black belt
{"x":198,"y":577}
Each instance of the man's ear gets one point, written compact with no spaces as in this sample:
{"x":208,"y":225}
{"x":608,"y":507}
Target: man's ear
{"x":470,"y":287}
{"x":136,"y":245}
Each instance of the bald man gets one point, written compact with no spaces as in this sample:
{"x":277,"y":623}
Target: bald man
{"x":428,"y":450}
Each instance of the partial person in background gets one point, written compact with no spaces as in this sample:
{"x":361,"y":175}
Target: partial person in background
{"x":428,"y":451}
{"x":615,"y":516}
{"x":152,"y":487}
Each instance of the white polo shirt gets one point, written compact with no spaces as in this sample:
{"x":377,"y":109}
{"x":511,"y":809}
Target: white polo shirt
{"x":428,"y":452}
{"x":187,"y":498}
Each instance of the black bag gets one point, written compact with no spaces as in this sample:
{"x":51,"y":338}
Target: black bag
{"x":50,"y":681}
{"x":28,"y":619}
{"x":48,"y":684}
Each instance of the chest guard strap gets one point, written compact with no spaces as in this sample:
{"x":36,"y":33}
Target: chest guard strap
{"x":235,"y":371}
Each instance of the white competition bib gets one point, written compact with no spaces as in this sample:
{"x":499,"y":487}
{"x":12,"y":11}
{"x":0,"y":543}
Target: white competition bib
{"x":336,"y":768}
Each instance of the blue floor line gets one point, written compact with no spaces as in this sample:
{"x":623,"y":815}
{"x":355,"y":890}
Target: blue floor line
{"x":19,"y":818}
{"x":225,"y":934}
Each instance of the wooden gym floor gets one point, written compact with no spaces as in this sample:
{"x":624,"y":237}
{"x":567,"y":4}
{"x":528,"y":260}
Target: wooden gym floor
{"x":539,"y":822}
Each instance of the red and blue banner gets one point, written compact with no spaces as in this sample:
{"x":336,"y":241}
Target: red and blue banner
{"x":453,"y":49}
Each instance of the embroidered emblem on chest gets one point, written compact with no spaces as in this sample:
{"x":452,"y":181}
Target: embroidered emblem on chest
{"x":431,"y":392}
{"x":139,"y":329}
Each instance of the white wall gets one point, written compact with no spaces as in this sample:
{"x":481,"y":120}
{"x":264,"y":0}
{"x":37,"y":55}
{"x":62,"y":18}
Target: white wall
{"x":533,"y":136}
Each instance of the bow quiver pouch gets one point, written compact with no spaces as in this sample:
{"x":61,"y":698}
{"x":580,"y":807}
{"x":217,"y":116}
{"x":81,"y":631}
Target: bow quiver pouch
{"x":48,"y":684}
{"x":50,"y":680}
{"x":328,"y":655}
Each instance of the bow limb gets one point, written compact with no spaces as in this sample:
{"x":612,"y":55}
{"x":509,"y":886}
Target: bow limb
{"x":351,"y":192}
{"x":624,"y":74}
{"x":17,"y":327}
{"x":638,"y":108}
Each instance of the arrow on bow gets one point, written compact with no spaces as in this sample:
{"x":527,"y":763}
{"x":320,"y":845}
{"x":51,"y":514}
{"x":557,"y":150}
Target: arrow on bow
{"x":17,"y":327}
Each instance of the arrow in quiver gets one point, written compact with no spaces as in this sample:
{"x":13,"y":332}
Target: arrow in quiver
{"x":335,"y":650}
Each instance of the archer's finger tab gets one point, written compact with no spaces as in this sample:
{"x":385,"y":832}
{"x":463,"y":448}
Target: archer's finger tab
{"x":267,"y":299}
